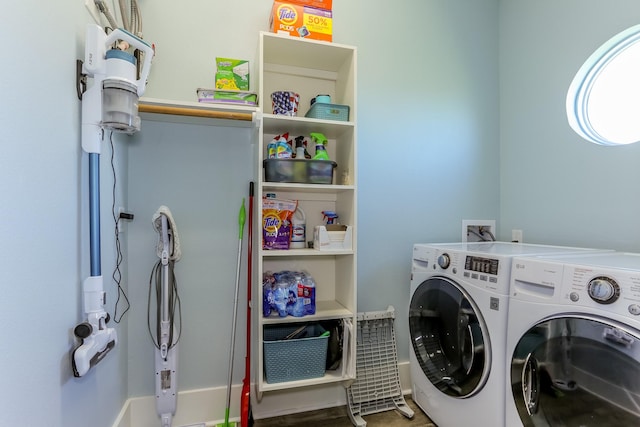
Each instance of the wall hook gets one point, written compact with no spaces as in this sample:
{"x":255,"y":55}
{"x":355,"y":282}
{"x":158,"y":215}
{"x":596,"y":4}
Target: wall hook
{"x":81,"y":79}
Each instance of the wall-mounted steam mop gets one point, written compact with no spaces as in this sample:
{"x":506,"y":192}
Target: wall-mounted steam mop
{"x":111,"y":103}
{"x":168,"y":322}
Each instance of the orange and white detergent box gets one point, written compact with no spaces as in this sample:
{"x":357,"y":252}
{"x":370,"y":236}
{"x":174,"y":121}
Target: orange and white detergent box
{"x":303,"y":18}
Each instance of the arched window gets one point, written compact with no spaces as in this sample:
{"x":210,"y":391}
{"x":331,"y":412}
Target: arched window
{"x":603,"y":101}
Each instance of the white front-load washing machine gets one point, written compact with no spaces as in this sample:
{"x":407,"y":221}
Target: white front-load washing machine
{"x":457,"y":324}
{"x":573,"y":341}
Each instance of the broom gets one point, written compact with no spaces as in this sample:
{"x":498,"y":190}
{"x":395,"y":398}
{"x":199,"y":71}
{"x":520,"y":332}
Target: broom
{"x":246,"y":415}
{"x":241,"y":219}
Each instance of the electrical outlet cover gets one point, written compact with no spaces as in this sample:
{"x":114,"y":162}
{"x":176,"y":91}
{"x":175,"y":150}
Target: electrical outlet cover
{"x":516,"y":236}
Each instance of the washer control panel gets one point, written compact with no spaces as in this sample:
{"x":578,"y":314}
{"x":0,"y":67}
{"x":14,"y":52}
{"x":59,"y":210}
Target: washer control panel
{"x":479,"y":269}
{"x":481,"y":264}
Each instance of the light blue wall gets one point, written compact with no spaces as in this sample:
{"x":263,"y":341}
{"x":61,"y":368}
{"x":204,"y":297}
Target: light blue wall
{"x":556,"y":187}
{"x":430,"y":153}
{"x":202,"y":174}
{"x":428,"y":143}
{"x":427,"y":137}
{"x":43,"y":226}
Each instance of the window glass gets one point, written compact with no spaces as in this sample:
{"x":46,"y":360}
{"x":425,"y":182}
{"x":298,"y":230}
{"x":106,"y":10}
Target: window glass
{"x":603,"y":101}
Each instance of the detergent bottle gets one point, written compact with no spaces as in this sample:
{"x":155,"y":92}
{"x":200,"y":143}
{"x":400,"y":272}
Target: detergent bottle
{"x":298,"y":229}
{"x":321,"y":150}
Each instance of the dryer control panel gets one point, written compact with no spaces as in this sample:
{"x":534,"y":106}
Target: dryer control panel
{"x":616,"y":291}
{"x":581,"y":286}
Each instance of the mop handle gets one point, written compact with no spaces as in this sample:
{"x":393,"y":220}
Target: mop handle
{"x":241,"y":220}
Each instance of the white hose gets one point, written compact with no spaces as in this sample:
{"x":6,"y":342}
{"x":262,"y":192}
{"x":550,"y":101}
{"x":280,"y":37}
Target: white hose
{"x":124,"y":15}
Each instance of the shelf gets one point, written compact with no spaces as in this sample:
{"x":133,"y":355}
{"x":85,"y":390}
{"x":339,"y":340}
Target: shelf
{"x":306,"y":188}
{"x":197,"y":112}
{"x":329,"y":377}
{"x":332,"y":129}
{"x":307,"y":53}
{"x":302,"y":252}
{"x":324,"y":310}
{"x":310,"y":68}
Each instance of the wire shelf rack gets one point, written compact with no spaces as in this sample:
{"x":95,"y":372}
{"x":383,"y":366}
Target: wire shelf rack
{"x":377,"y":384}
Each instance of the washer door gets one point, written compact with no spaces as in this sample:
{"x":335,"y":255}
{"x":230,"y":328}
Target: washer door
{"x":449,"y":337}
{"x":577,"y":371}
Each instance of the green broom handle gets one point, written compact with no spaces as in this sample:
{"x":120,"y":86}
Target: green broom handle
{"x":241,"y":219}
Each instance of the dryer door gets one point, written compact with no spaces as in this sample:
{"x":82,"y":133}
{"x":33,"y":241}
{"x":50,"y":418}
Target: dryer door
{"x":577,"y":371}
{"x":449,"y":337}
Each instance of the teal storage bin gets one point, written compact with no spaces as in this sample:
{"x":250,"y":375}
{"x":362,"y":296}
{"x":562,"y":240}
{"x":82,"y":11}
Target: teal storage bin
{"x":328,"y":112}
{"x":296,"y":358}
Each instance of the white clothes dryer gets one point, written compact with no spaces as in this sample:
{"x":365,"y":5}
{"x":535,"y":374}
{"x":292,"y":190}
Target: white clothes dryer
{"x":573,"y":341}
{"x":457,"y":322}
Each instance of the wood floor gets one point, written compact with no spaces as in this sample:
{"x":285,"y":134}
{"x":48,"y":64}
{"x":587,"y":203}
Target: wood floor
{"x":338,"y":417}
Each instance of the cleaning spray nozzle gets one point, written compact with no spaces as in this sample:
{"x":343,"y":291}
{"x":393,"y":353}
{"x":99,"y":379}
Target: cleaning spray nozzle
{"x":321,"y":149}
{"x":318,"y":138}
{"x":301,"y":151}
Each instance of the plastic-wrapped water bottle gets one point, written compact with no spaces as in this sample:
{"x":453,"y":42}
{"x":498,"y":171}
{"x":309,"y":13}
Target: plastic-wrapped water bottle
{"x":305,"y":289}
{"x":298,"y":309}
{"x":268,"y":297}
{"x":281,"y":298}
{"x":308,"y":294}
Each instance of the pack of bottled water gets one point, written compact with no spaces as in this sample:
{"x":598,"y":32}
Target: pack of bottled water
{"x":288,"y":293}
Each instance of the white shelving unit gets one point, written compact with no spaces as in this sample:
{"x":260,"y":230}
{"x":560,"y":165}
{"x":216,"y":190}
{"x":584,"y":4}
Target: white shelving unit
{"x":310,"y":68}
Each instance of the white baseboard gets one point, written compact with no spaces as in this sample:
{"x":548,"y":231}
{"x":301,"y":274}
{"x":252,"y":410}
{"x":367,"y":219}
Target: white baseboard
{"x":207,"y":406}
{"x":194,"y":407}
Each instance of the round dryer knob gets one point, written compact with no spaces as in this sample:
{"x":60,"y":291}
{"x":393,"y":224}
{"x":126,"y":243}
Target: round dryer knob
{"x":444,"y":261}
{"x":603,"y":290}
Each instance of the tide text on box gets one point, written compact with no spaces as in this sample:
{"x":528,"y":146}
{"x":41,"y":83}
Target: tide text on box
{"x":299,"y":20}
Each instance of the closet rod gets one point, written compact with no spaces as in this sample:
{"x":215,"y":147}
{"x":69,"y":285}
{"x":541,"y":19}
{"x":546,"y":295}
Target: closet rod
{"x":194,"y":112}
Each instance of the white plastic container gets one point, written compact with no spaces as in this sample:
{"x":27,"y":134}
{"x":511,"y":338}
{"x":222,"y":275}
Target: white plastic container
{"x":333,"y":237}
{"x":298,"y":230}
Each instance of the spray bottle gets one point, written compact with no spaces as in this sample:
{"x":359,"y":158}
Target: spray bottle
{"x":300,"y":147}
{"x":299,"y":165}
{"x":321,"y":150}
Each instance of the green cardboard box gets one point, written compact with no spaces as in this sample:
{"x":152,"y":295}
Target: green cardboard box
{"x":232,"y":74}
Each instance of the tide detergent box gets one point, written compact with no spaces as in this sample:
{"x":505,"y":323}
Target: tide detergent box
{"x":303,"y":18}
